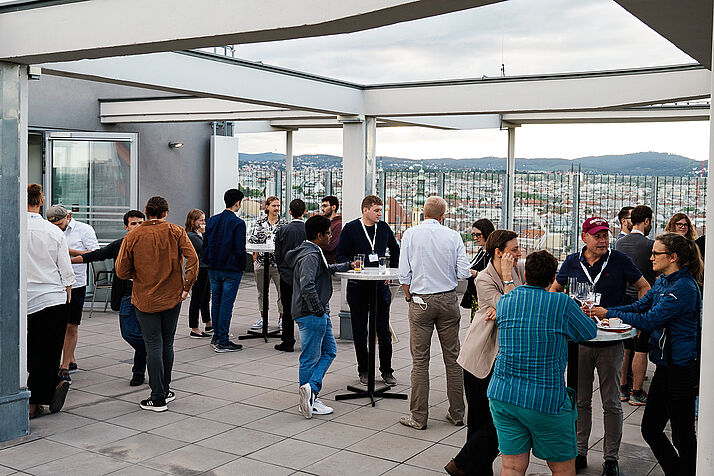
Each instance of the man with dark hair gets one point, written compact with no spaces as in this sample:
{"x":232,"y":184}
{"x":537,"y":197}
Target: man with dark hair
{"x":608,"y":272}
{"x":623,"y":216}
{"x":312,"y":284}
{"x":288,"y":238}
{"x":49,"y":290}
{"x":224,"y":254}
{"x":80,"y":237}
{"x":638,"y":247}
{"x":121,"y":297}
{"x":372,"y":238}
{"x":330,"y":205}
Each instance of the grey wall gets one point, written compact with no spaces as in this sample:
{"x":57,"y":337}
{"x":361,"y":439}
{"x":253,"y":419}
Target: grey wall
{"x":179,"y":175}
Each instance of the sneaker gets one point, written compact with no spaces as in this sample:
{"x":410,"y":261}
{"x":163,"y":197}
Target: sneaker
{"x":454,"y":420}
{"x":284,"y":347}
{"x":73,"y":367}
{"x":280,"y":323}
{"x":610,"y":468}
{"x":581,"y":462}
{"x":389,"y":379}
{"x":258,"y":324}
{"x":306,"y":400}
{"x":214,"y":342}
{"x":624,"y":393}
{"x":154,"y":405}
{"x":136,"y":380}
{"x":638,"y":398}
{"x":194,"y":335}
{"x":59,"y":396}
{"x":409,"y":421}
{"x":64,"y":375}
{"x":319,"y":408}
{"x":364,"y":378}
{"x":170,"y":396}
{"x":209,"y":330}
{"x":229,"y":347}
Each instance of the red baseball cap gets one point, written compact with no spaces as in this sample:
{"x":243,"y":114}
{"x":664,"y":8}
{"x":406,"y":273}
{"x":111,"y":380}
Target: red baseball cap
{"x":595,"y":224}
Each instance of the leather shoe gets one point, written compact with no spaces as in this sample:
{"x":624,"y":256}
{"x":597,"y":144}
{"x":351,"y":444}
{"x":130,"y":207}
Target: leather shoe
{"x":454,"y":470}
{"x":610,"y":468}
{"x":136,"y":380}
{"x":581,"y":462}
{"x":285,"y":347}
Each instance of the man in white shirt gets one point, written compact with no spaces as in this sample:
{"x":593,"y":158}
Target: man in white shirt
{"x":80,"y":237}
{"x":49,"y":281}
{"x":431,"y":261}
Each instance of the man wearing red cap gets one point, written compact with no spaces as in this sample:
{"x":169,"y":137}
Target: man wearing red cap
{"x":609,"y":272}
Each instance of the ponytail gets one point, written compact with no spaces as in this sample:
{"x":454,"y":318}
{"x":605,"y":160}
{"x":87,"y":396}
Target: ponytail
{"x":687,"y":252}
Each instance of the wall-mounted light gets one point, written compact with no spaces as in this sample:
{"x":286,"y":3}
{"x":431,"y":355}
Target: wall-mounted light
{"x":175,"y":145}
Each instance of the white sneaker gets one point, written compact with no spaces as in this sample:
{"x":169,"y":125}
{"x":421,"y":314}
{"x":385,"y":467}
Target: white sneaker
{"x":306,"y":400}
{"x":319,"y":408}
{"x":258,"y":324}
{"x":280,"y":323}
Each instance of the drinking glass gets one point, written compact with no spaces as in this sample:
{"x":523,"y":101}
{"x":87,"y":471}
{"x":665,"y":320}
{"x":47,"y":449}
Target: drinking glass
{"x":382,"y":265}
{"x":359,"y":262}
{"x":582,"y":291}
{"x":572,"y":287}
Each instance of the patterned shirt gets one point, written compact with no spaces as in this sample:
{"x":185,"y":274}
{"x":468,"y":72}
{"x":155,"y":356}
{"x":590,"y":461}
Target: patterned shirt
{"x":260,"y":232}
{"x":533,"y":328}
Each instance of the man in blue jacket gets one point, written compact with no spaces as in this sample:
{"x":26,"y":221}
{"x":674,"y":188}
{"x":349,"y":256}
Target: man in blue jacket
{"x":373,"y":238}
{"x":224,"y":254}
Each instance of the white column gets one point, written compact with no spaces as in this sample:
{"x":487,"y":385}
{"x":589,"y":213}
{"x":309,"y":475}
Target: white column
{"x":224,"y":169}
{"x":370,"y":156}
{"x":705,"y":446}
{"x":288,"y":173}
{"x":357,"y":177}
{"x":508,"y":201}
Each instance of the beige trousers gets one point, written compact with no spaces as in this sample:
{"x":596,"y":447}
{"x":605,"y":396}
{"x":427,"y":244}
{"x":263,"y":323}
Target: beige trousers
{"x":442,"y":312}
{"x":274,"y":277}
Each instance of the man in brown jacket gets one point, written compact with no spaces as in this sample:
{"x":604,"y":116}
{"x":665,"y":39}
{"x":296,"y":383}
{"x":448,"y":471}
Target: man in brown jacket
{"x":152,"y":255}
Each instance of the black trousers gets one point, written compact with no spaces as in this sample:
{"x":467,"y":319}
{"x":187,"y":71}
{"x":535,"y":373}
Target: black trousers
{"x":286,"y":297}
{"x":158,"y":329}
{"x":45,"y":338}
{"x":481,"y":449}
{"x":671,"y":398}
{"x":358,"y":300}
{"x":200,"y":299}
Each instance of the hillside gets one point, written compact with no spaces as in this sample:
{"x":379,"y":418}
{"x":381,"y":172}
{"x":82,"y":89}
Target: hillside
{"x":641,"y":163}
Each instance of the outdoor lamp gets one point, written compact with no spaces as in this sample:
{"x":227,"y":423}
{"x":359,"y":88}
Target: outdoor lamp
{"x":175,"y":145}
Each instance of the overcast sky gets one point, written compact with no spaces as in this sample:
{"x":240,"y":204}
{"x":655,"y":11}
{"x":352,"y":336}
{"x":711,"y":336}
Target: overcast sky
{"x":529,"y":37}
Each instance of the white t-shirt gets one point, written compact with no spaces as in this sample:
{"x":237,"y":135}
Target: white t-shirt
{"x":49,"y":269}
{"x":80,"y":236}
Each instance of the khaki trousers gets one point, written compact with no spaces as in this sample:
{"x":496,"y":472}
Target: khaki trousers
{"x":274,"y":277}
{"x":442,"y":312}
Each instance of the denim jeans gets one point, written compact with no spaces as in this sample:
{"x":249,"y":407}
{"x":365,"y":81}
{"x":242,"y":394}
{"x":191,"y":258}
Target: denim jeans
{"x":224,"y":288}
{"x":318,"y":349}
{"x":158,"y":329}
{"x":131,"y":333}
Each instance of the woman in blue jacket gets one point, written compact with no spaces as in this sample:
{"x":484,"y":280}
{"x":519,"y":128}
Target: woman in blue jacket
{"x":671,"y":312}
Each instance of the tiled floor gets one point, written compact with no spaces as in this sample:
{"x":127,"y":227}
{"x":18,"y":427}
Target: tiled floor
{"x":236,"y":414}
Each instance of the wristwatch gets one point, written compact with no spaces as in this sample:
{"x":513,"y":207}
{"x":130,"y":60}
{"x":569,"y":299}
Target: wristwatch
{"x":506,"y":283}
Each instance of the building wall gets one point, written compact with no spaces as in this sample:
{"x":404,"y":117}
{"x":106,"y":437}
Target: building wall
{"x":179,"y":175}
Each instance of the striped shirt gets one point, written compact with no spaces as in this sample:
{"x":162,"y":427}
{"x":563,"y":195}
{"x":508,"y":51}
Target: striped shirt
{"x":533,"y":328}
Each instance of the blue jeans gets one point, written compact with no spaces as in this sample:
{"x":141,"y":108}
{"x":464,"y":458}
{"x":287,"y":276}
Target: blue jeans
{"x":131,"y":333}
{"x":318,"y":349}
{"x":224,"y":288}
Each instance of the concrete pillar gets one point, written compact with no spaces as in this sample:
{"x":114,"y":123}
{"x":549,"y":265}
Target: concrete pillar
{"x":288,"y":173}
{"x":13,"y":284}
{"x":358,"y":163}
{"x":509,"y":185}
{"x":705,"y":446}
{"x":224,"y":170}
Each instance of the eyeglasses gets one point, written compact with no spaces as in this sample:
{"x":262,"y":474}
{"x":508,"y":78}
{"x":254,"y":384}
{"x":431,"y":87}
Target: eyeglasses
{"x":477,"y":235}
{"x":682,"y":224}
{"x":657,"y":253}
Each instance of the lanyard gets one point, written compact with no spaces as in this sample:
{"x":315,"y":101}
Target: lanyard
{"x":587,"y":274}
{"x":371,"y":241}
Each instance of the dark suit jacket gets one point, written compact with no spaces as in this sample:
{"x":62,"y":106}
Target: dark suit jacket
{"x":288,"y":238}
{"x":639,"y":248}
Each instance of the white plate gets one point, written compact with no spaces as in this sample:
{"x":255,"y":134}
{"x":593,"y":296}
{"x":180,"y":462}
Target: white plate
{"x":624,"y":327}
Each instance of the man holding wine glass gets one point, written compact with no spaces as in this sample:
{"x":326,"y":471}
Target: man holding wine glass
{"x":606,"y":272}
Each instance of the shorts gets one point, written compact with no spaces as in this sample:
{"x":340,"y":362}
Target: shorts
{"x":552,"y":437}
{"x":76,"y":304}
{"x":639,"y":343}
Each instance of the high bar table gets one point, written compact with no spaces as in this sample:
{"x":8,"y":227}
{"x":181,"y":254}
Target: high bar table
{"x":267,"y":249}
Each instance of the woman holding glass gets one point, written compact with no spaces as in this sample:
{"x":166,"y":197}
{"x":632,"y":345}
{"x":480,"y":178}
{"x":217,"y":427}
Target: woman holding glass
{"x":671,"y":313}
{"x":503,"y":274}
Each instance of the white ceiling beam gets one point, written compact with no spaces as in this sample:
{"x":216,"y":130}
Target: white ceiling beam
{"x":465,"y":122}
{"x":67,"y":31}
{"x":174,"y":105}
{"x":651,"y":114}
{"x":587,"y":91}
{"x":209,"y":76}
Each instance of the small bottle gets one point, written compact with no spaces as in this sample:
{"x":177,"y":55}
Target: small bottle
{"x":386,"y":255}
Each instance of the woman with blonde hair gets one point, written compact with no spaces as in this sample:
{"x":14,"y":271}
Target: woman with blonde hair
{"x":201,"y":291}
{"x":682,"y":225}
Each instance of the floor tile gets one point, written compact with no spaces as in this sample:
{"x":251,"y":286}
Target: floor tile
{"x":35,"y":453}
{"x":390,"y":446}
{"x":250,"y":467}
{"x":143,"y":420}
{"x":434,"y":457}
{"x":369,"y":417}
{"x":285,"y":424}
{"x":80,"y":464}
{"x":240,"y":441}
{"x":106,"y":409}
{"x":140,"y":447}
{"x":92,"y":436}
{"x":57,"y":423}
{"x":293,"y":454}
{"x":192,"y":429}
{"x":345,"y":463}
{"x":335,"y":435}
{"x":237,"y":413}
{"x":187,"y":461}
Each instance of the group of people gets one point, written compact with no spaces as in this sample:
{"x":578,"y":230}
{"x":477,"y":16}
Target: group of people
{"x":512,"y":361}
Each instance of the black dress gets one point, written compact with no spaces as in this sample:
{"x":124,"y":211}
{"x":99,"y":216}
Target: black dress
{"x":479,"y":263}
